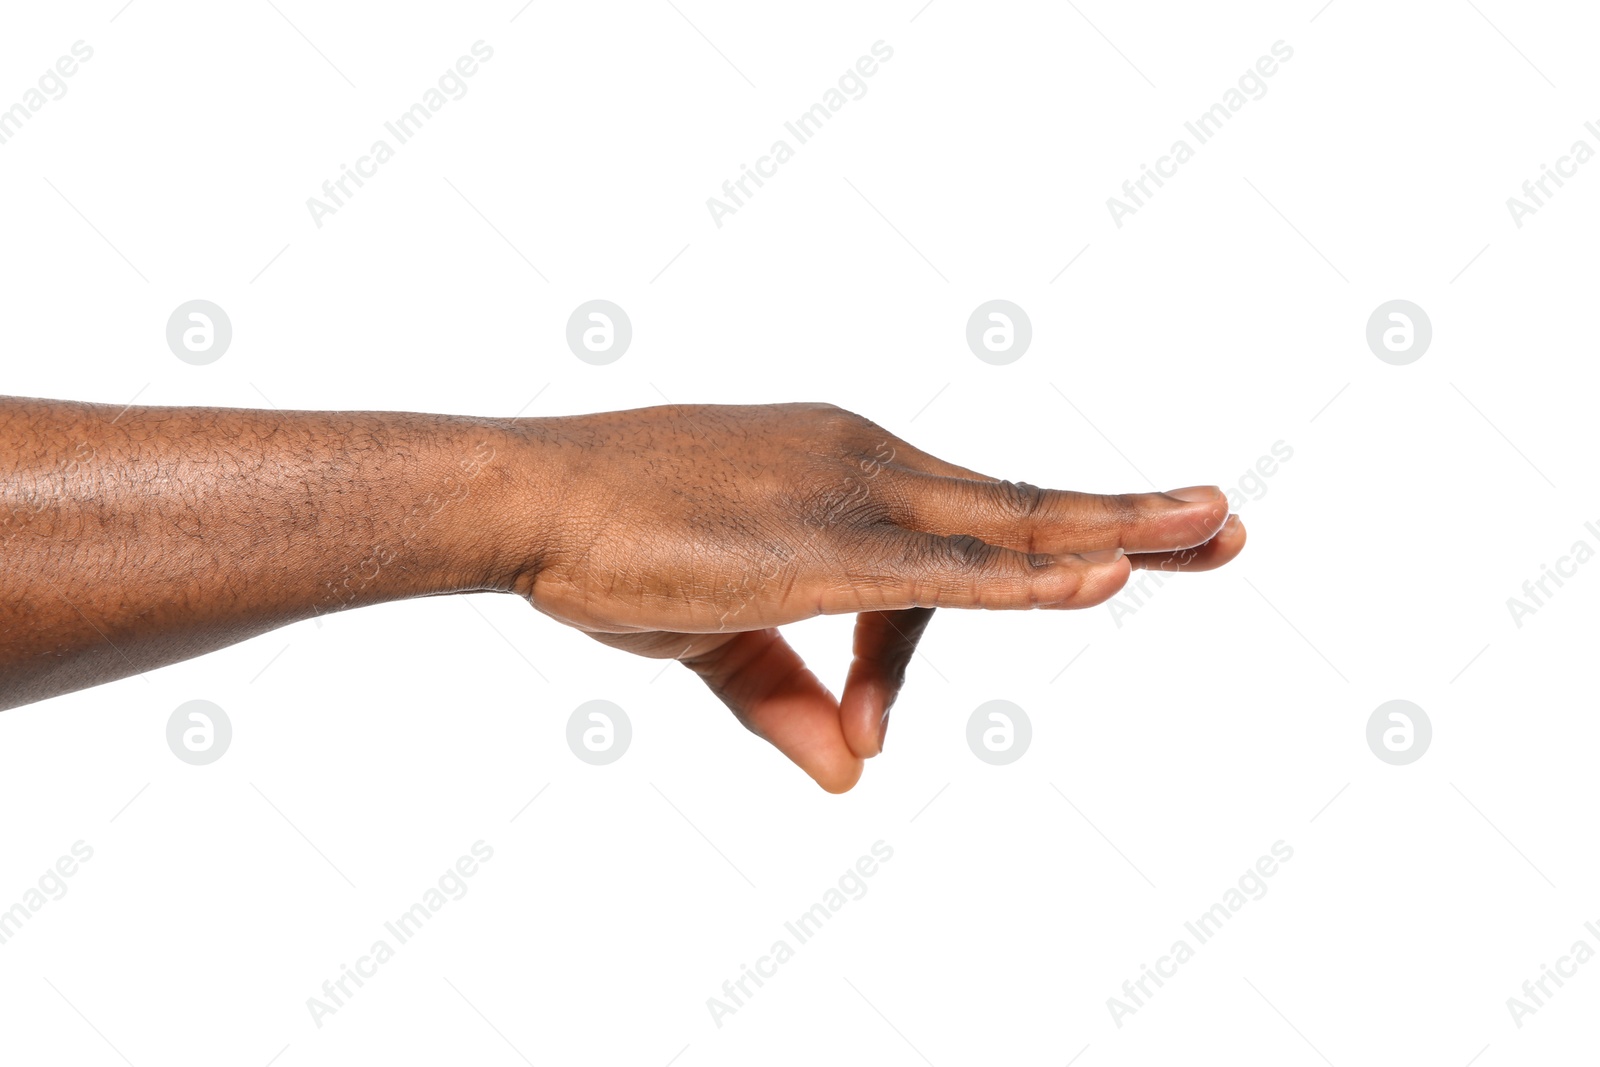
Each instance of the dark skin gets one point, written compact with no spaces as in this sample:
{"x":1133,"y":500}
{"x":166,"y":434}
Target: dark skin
{"x":142,"y":536}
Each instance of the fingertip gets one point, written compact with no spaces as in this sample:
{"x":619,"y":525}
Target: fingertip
{"x":1220,"y":550}
{"x":884,"y":644}
{"x":840,"y":776}
{"x":1229,"y":540}
{"x":863,"y":716}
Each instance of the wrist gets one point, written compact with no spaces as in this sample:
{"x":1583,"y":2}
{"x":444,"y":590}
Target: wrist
{"x":509,"y":474}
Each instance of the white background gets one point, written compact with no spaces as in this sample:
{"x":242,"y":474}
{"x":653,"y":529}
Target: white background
{"x":1225,"y":714}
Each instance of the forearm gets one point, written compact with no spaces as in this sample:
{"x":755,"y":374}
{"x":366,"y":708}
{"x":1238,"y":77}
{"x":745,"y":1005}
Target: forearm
{"x":135,"y":538}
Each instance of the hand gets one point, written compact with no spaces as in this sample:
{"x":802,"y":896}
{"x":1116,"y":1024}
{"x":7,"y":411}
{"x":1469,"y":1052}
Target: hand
{"x":692,"y":533}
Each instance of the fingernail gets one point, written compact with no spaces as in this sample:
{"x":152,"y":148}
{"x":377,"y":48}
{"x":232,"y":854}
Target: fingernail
{"x":883,"y":730}
{"x":1104,"y":555}
{"x":1195,"y":494}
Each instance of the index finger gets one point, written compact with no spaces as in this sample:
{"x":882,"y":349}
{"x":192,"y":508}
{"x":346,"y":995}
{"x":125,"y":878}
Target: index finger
{"x":1030,"y":519}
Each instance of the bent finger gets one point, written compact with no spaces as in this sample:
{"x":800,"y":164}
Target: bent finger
{"x":769,"y":688}
{"x":885,"y":641}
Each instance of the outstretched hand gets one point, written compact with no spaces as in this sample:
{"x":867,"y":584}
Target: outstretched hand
{"x":693,"y":533}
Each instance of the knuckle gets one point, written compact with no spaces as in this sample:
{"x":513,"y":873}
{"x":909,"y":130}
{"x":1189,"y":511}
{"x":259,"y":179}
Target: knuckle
{"x":1122,"y":509}
{"x":906,"y":628}
{"x":1021,"y":499}
{"x":841,"y":422}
